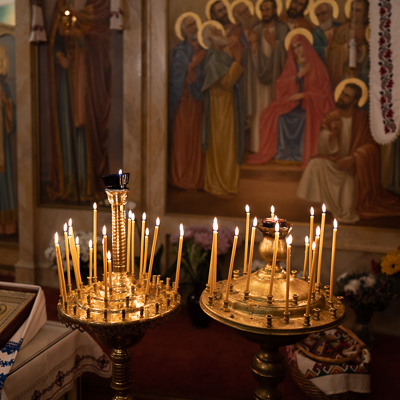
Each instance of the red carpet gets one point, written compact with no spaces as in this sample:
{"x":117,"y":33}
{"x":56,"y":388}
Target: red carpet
{"x":179,"y":361}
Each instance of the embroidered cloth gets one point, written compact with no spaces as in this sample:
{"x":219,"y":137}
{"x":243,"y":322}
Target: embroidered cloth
{"x":353,"y":375}
{"x":385,"y":70}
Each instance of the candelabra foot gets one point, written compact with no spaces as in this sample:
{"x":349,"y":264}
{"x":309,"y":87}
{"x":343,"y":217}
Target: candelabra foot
{"x":268,"y":365}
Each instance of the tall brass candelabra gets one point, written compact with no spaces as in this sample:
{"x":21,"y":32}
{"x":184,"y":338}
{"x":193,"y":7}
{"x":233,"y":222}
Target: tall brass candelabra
{"x":120,"y":313}
{"x":261,"y":318}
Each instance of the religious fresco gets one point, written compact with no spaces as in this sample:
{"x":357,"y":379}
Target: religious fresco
{"x":8,"y":128}
{"x":80,"y":102}
{"x":273,"y":95}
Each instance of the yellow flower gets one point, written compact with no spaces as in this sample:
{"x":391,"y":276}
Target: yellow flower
{"x":390,"y":263}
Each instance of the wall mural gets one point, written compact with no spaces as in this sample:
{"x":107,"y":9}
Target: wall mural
{"x":8,"y":128}
{"x":81,"y":96}
{"x":268,"y":102}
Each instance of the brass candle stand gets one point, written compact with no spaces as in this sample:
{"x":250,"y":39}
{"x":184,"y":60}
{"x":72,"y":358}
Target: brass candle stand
{"x":262,"y":319}
{"x":119,"y":314}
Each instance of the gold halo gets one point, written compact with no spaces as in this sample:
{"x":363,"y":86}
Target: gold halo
{"x":248,"y":4}
{"x":180,"y":19}
{"x":359,"y":82}
{"x":335,"y":11}
{"x":298,"y":31}
{"x":279,"y":8}
{"x":200,"y":32}
{"x":367,"y":33}
{"x":228,"y":9}
{"x":347,"y":8}
{"x":306,"y":11}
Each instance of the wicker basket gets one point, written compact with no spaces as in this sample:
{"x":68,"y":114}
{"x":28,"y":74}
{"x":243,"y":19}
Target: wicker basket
{"x":308,"y":388}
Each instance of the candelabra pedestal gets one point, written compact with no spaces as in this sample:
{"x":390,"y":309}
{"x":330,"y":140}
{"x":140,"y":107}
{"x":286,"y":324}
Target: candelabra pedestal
{"x":261,"y":316}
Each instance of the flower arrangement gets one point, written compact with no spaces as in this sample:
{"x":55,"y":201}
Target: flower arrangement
{"x":84,"y":237}
{"x":196,"y":251}
{"x":373,"y":290}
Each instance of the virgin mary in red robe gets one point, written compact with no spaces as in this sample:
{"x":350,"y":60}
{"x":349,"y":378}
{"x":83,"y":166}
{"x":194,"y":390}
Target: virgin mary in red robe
{"x":289,"y":126}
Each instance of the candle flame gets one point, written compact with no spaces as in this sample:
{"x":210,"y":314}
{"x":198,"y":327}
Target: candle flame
{"x":181,"y":230}
{"x":120,"y":172}
{"x":247,"y":208}
{"x":318,"y":231}
{"x":109,"y":255}
{"x":133,"y":216}
{"x":104,"y":231}
{"x":272,"y":210}
{"x":77,"y":240}
{"x":65,"y":227}
{"x":90,"y":244}
{"x":67,"y":12}
{"x":130,"y":214}
{"x":307,"y":240}
{"x":158,"y":221}
{"x":70,"y":222}
{"x":313,"y":246}
{"x":323,"y":208}
{"x":147,"y":232}
{"x":70,"y":231}
{"x":215,"y":224}
{"x":277,"y":227}
{"x":335,"y":224}
{"x":94,"y":206}
{"x":254,"y":222}
{"x":289,"y":240}
{"x":56,"y":238}
{"x":237,"y":231}
{"x":312,"y":211}
{"x":276,"y":218}
{"x":144,"y":217}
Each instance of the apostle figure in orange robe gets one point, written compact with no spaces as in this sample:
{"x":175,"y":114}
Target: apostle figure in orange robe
{"x":346,"y":174}
{"x":289,"y":126}
{"x":186,"y":108}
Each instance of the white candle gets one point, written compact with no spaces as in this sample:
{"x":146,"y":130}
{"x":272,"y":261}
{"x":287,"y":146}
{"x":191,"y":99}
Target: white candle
{"x":271,"y":284}
{"x":321,"y":243}
{"x":335,"y":226}
{"x":246,"y":241}
{"x":288,"y":255}
{"x":95,"y":240}
{"x":253,"y":234}
{"x":178,"y":263}
{"x":228,"y":284}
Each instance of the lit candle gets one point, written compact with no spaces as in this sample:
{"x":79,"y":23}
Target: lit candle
{"x":95,"y":240}
{"x":311,"y":239}
{"x":153,"y":250}
{"x":321,"y":243}
{"x":210,"y":271}
{"x":146,"y":246}
{"x":128,"y":240}
{"x":142,"y":243}
{"x":105,"y":253}
{"x":178,"y":263}
{"x":272,"y":211}
{"x":253,"y":234}
{"x":305,"y":257}
{"x":271,"y":284}
{"x":228,"y":284}
{"x":73,"y":254}
{"x":335,"y":226}
{"x":215,"y":257}
{"x":313,"y":269}
{"x":59,"y":267}
{"x":67,"y":256}
{"x":246,"y":241}
{"x":78,"y":261}
{"x":90,"y":258}
{"x":133,"y":243}
{"x":288,"y":255}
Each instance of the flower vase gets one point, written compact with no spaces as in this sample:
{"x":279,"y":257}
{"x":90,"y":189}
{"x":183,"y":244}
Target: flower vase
{"x":362,"y":326}
{"x":199,"y":318}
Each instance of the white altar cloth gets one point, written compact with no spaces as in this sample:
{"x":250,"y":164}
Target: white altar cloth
{"x":47,"y":367}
